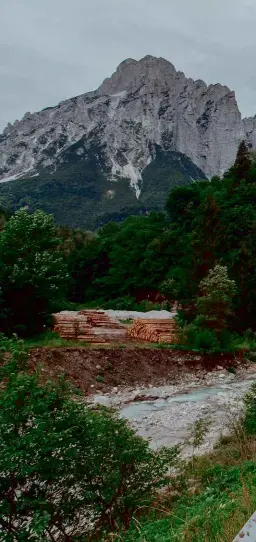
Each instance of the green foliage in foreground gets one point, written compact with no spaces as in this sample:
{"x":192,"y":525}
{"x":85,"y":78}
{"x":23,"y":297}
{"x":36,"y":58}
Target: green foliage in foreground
{"x":214,"y":495}
{"x":250,"y":411}
{"x":69,"y":472}
{"x":225,"y":501}
{"x":65,"y":469}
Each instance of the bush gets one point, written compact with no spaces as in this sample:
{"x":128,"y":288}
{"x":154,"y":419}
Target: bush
{"x":250,"y":339}
{"x":128,"y":303}
{"x":228,"y":341}
{"x":250,"y":411}
{"x":195,"y":337}
{"x":121,"y":304}
{"x":67,"y":470}
{"x":199,"y":339}
{"x":146,"y":306}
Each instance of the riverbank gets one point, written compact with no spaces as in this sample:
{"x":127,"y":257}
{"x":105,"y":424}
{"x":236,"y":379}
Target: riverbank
{"x":104,"y":369}
{"x":161,"y":392}
{"x":165,"y":414}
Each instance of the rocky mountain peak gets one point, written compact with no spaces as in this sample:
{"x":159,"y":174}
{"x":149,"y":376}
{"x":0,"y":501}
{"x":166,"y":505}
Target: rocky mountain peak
{"x":130,"y":73}
{"x":145,"y":104}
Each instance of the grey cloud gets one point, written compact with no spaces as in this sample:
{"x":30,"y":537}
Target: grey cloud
{"x":56,"y":49}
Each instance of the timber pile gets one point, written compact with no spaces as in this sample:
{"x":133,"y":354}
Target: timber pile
{"x":75,"y":327}
{"x":100,"y":319}
{"x":154,"y":331}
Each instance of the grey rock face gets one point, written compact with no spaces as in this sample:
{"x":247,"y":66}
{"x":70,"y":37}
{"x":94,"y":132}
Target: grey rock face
{"x":145,"y":103}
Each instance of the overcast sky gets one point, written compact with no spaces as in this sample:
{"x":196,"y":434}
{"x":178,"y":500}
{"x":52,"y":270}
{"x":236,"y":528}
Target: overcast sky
{"x":54,"y":49}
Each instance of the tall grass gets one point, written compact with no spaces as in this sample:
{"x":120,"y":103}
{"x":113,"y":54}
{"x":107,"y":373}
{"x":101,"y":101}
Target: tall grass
{"x":212,"y":497}
{"x":51,"y":339}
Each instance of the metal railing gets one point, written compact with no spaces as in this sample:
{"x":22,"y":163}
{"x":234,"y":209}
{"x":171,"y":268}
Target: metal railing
{"x":248,"y":532}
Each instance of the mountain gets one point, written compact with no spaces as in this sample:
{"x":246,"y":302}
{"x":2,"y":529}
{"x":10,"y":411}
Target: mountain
{"x":118,"y":150}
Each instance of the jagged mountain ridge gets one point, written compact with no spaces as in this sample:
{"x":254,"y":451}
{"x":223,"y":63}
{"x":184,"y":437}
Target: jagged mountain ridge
{"x":145,"y":103}
{"x":120,"y":149}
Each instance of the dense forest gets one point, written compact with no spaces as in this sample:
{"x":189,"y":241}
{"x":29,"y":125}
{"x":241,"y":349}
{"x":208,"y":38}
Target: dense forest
{"x":205,"y":224}
{"x":208,"y":227}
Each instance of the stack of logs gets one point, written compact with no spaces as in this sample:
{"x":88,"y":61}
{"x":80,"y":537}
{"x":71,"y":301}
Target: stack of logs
{"x":100,"y":319}
{"x":154,"y":331}
{"x":104,"y":326}
{"x":75,"y":327}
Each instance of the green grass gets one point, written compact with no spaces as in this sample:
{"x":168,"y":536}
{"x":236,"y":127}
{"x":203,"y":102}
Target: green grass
{"x":50,"y":339}
{"x":165,"y":346}
{"x":209,"y":501}
{"x":72,"y":306}
{"x":245,"y":343}
{"x":99,"y":378}
{"x":116,"y":304}
{"x":127,"y":322}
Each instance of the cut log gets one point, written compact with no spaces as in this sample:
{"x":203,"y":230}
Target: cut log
{"x":154,"y":330}
{"x":75,"y":327}
{"x":100,"y":319}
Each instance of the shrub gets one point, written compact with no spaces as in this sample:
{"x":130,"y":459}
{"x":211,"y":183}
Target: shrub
{"x":146,"y":306}
{"x":198,"y":339}
{"x":227,"y":341}
{"x":99,"y":378}
{"x":250,"y":339}
{"x":250,"y":411}
{"x":195,"y":337}
{"x":121,"y":304}
{"x":168,"y":289}
{"x":127,"y":303}
{"x":66,"y":469}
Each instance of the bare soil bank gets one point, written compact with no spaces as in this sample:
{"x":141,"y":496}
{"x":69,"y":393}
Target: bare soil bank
{"x":102,"y":369}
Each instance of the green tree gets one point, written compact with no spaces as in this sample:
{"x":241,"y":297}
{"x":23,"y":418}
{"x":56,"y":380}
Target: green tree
{"x":79,"y":249}
{"x":243,"y":162}
{"x":249,"y":419}
{"x":131,"y":257}
{"x":33,"y":274}
{"x":197,"y":432}
{"x":206,"y":235}
{"x":67,"y":470}
{"x":215,"y":302}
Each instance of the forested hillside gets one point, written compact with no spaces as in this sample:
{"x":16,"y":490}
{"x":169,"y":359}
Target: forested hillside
{"x":205,"y":224}
{"x":80,"y":194}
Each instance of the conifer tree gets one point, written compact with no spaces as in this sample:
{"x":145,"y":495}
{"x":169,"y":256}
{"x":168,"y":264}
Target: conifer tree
{"x":215,"y":301}
{"x":243,"y":162}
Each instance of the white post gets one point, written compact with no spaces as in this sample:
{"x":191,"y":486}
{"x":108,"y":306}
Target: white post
{"x":248,"y":532}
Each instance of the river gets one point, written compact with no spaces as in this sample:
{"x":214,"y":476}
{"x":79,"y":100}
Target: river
{"x":164,"y":414}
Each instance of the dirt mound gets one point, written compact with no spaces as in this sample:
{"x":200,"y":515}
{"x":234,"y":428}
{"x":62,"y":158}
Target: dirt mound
{"x":102,"y":369}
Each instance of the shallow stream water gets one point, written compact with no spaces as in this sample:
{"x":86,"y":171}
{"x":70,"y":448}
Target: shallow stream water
{"x":164,"y":414}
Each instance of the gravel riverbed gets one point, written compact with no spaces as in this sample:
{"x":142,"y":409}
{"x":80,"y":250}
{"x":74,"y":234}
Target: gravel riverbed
{"x":164,"y":414}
